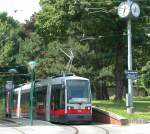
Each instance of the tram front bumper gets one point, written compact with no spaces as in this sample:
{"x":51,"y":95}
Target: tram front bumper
{"x":78,"y":118}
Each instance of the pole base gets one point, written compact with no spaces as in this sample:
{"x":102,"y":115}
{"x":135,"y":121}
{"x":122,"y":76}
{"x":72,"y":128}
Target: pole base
{"x":130,"y":110}
{"x":8,"y":115}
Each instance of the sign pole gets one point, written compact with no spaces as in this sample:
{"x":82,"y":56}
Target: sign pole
{"x":9,"y":87}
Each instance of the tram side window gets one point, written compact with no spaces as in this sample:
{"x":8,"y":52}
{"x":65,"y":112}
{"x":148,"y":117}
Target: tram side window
{"x":15,"y":101}
{"x":41,"y":97}
{"x":58,"y":97}
{"x":25,"y":97}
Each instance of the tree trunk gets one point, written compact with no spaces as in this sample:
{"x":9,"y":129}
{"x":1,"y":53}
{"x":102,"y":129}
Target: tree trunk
{"x":119,"y":72}
{"x":105,"y":92}
{"x":98,"y":93}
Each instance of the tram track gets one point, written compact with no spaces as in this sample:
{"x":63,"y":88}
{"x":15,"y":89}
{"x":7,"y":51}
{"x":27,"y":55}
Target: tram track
{"x":69,"y":129}
{"x":77,"y":130}
{"x":11,"y":125}
{"x":105,"y":130}
{"x":95,"y":126}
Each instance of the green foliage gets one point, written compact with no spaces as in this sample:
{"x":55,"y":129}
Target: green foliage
{"x":60,"y":19}
{"x":53,"y":20}
{"x":9,"y":39}
{"x":30,"y":49}
{"x":55,"y":61}
{"x":145,"y":77}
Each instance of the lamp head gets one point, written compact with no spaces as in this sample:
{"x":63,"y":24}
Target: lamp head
{"x":12,"y":71}
{"x":32,"y":64}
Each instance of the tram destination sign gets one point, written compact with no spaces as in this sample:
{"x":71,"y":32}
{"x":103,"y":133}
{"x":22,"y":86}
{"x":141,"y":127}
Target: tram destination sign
{"x":130,"y":74}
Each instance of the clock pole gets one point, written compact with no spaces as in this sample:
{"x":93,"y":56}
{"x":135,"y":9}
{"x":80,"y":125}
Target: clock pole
{"x":128,"y":10}
{"x":129,"y":101}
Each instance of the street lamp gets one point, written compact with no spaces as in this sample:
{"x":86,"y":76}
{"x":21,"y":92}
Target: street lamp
{"x":9,"y":87}
{"x":32,"y":65}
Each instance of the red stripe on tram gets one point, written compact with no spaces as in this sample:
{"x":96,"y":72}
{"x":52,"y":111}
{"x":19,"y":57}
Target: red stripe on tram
{"x":58,"y":112}
{"x":62,"y":111}
{"x":78,"y":111}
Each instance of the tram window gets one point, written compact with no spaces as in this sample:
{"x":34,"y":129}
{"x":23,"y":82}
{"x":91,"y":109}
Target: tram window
{"x":62,"y":98}
{"x":15,"y":100}
{"x":78,"y":91}
{"x":41,"y":97}
{"x":25,"y":102}
{"x":52,"y":98}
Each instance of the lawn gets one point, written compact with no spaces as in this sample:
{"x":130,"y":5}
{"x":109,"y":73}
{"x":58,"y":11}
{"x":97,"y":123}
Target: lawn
{"x":141,"y":107}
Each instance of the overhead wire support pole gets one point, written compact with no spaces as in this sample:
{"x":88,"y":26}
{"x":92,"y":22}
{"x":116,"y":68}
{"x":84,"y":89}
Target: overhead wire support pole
{"x":130,"y":84}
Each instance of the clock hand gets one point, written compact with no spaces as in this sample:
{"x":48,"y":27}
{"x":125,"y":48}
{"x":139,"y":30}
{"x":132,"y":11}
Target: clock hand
{"x":124,"y":10}
{"x":135,"y":9}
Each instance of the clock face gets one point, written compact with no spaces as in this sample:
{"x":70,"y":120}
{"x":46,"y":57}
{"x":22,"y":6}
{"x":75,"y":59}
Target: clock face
{"x":135,"y":9}
{"x":124,"y":10}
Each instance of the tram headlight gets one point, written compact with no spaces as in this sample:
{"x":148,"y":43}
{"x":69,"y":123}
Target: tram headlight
{"x":89,"y":108}
{"x":70,"y":107}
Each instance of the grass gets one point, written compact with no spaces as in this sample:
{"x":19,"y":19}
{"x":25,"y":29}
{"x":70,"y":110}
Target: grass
{"x":141,"y":107}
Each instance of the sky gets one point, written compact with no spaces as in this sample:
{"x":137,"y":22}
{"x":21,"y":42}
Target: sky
{"x":21,"y":10}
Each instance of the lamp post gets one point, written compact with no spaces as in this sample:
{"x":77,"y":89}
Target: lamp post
{"x":32,"y":65}
{"x":9,"y":87}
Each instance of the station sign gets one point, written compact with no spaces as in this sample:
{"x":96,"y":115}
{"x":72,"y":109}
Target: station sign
{"x":130,"y":74}
{"x":9,"y":85}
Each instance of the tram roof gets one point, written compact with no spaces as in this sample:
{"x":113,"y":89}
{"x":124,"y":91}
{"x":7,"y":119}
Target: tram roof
{"x":68,"y":77}
{"x":51,"y":80}
{"x":58,"y":80}
{"x":76,"y":77}
{"x":27,"y":86}
{"x":23,"y":87}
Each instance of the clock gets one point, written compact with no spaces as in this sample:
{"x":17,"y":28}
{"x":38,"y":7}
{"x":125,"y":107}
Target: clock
{"x":135,"y":10}
{"x":124,"y":9}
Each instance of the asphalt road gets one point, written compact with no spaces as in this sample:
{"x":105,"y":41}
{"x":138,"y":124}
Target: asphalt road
{"x":42,"y":127}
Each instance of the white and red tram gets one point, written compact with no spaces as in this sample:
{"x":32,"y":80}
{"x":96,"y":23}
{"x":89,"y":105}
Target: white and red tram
{"x":63,"y":98}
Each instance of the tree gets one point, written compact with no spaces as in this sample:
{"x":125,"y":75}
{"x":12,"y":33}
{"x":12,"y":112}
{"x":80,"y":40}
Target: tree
{"x":59,"y":19}
{"x":9,"y":39}
{"x":62,"y":19}
{"x":141,"y":47}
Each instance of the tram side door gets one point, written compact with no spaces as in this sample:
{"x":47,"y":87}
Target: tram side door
{"x":57,"y":102}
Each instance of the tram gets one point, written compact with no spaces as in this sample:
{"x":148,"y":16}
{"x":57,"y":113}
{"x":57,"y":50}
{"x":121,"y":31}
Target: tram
{"x":62,"y":98}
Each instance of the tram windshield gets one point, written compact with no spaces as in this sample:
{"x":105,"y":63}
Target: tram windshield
{"x":78,"y":91}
